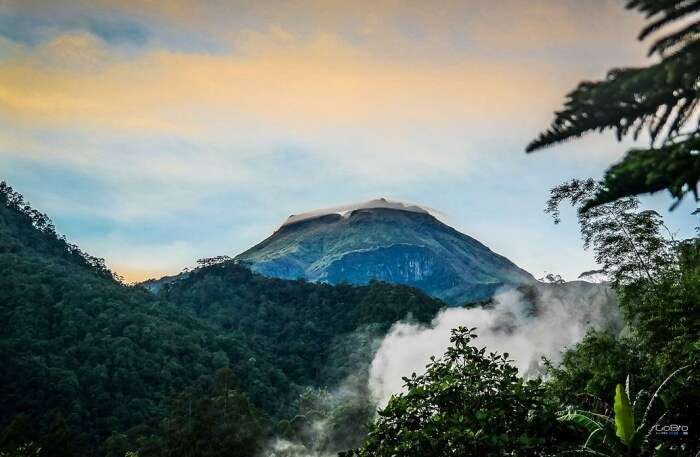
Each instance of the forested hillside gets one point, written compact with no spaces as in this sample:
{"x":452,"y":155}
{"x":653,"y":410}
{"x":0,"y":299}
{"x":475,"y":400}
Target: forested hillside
{"x":300,"y":326}
{"x":94,"y":367}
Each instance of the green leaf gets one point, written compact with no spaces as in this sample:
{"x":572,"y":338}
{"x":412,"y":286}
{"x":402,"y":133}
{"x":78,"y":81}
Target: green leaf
{"x":624,"y":417}
{"x":674,"y":167}
{"x":581,"y":419}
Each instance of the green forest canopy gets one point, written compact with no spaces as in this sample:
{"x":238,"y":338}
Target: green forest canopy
{"x":101,"y":360}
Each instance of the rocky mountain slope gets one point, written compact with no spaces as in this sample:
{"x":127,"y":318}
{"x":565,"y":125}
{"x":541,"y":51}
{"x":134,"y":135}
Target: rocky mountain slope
{"x":387,"y":241}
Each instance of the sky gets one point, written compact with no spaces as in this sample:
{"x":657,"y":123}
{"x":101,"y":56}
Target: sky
{"x":158,"y":132}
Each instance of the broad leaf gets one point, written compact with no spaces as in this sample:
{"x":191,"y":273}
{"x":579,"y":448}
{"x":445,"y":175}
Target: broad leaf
{"x":624,"y":417}
{"x":581,"y":419}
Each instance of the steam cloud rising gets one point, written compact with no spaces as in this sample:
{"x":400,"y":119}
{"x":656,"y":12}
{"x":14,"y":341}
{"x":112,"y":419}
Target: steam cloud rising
{"x":559,"y":317}
{"x":527,"y":325}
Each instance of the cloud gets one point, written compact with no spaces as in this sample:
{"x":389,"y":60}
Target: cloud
{"x":526,"y":329}
{"x":266,"y":108}
{"x":380,"y":25}
{"x":562,"y":317}
{"x":292,"y":64}
{"x":360,"y":85}
{"x":304,"y":86}
{"x":35,"y":26}
{"x":356,"y":111}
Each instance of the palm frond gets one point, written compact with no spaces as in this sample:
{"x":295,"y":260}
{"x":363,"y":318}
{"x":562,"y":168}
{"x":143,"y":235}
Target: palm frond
{"x":652,"y":401}
{"x":681,"y":10}
{"x":682,"y":36}
{"x":582,"y":419}
{"x":660,"y":97}
{"x":675,"y":167}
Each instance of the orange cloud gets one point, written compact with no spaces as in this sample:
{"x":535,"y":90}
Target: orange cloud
{"x":278,"y":80}
{"x":390,"y":26}
{"x":344,"y":80}
{"x":305,"y":65}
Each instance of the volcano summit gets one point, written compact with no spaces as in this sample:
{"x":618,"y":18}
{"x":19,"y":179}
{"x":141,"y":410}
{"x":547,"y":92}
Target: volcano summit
{"x":388,"y":241}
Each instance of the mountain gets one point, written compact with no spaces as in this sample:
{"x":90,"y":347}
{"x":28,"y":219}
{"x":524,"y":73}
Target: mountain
{"x":387,"y":241}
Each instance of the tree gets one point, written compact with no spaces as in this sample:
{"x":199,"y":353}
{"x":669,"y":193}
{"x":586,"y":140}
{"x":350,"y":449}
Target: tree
{"x":219,"y":422}
{"x":25,"y":450}
{"x":659,"y":99}
{"x":657,"y":280}
{"x":57,"y":441}
{"x":468,"y":403}
{"x":327,"y":423}
{"x":17,"y":433}
{"x":628,"y":244}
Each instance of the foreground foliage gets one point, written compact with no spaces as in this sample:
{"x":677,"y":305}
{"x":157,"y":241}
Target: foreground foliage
{"x":657,"y":280}
{"x":619,"y":434}
{"x":471,"y":402}
{"x":659,"y":100}
{"x":468,"y":403}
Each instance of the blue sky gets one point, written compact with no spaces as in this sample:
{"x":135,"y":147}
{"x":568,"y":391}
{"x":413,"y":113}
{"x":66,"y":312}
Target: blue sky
{"x":155,"y":133}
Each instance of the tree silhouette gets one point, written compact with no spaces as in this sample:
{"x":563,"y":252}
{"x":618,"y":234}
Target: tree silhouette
{"x":659,"y":100}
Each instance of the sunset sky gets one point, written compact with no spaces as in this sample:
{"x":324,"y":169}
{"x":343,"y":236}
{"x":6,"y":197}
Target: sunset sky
{"x":158,"y":132}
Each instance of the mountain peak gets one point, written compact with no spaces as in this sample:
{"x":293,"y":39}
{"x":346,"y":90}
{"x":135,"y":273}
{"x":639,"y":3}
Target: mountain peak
{"x":345,"y":210}
{"x":384,"y":240}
